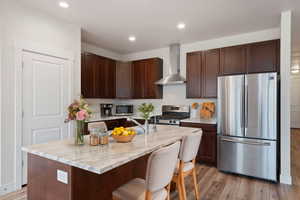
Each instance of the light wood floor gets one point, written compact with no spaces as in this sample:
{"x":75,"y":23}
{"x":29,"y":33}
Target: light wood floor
{"x":215,"y":185}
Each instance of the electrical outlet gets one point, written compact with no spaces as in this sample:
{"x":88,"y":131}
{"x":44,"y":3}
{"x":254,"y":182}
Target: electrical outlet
{"x":62,"y":176}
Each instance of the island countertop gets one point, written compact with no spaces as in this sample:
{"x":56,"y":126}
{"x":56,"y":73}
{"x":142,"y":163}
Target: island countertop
{"x":100,"y":159}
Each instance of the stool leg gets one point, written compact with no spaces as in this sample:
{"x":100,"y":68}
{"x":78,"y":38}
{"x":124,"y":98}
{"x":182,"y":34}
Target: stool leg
{"x":182,"y":184}
{"x":195,"y":184}
{"x":179,"y":188}
{"x":148,"y":195}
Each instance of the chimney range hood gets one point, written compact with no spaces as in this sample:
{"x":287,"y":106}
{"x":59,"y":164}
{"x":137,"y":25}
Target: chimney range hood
{"x":174,"y":76}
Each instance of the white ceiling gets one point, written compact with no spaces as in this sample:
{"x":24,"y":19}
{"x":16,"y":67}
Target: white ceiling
{"x":108,"y":23}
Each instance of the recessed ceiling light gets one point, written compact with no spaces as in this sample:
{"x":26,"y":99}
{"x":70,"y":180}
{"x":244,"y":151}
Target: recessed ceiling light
{"x":181,"y":25}
{"x":131,"y":38}
{"x":63,"y":4}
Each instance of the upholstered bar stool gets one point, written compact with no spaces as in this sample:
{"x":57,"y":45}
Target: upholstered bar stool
{"x":186,"y":166}
{"x":160,"y":169}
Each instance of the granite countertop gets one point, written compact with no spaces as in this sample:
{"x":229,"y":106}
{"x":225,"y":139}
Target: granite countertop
{"x":99,"y":118}
{"x":100,"y":159}
{"x":200,"y":121}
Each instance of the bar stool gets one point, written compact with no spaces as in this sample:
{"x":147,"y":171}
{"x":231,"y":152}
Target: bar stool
{"x":186,"y":166}
{"x":160,"y":169}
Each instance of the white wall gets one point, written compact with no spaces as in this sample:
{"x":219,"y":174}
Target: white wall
{"x":295,"y":93}
{"x":285,"y":70}
{"x":23,"y":24}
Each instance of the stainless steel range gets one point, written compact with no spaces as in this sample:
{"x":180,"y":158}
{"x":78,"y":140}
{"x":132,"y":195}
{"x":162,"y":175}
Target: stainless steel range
{"x":172,"y":114}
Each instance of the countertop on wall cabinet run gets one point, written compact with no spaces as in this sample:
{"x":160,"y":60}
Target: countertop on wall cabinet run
{"x":212,"y":121}
{"x":100,"y":159}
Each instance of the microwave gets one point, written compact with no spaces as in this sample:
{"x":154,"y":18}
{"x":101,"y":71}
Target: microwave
{"x":124,"y":109}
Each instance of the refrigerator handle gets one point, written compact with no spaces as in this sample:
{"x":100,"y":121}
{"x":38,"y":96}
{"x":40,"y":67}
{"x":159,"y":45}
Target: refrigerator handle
{"x":246,"y":142}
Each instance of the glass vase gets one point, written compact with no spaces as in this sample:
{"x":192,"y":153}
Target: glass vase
{"x":146,"y":126}
{"x":79,"y":132}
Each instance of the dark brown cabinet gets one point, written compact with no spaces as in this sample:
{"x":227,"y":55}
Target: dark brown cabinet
{"x":105,"y":78}
{"x":202,"y":71}
{"x":263,"y":56}
{"x":210,"y":66}
{"x":233,"y":60}
{"x":207,"y":152}
{"x":124,"y":80}
{"x":98,"y":76}
{"x":193,"y":75}
{"x":144,"y":75}
{"x":87,"y":75}
{"x":251,"y":58}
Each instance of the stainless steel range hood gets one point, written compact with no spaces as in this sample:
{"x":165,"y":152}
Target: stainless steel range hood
{"x":174,"y":76}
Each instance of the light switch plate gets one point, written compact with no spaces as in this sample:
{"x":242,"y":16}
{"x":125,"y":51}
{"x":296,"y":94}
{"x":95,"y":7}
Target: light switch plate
{"x":62,"y":176}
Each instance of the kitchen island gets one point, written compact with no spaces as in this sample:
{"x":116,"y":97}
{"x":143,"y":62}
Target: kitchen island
{"x":62,"y":171}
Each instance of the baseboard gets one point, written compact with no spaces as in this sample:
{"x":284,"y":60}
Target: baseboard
{"x":7,"y":188}
{"x":286,"y":179}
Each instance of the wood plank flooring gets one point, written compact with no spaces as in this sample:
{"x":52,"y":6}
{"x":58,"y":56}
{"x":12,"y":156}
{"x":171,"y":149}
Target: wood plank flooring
{"x":215,"y":185}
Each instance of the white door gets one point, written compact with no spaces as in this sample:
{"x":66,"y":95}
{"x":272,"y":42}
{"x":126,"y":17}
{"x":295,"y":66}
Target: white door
{"x":46,"y":95}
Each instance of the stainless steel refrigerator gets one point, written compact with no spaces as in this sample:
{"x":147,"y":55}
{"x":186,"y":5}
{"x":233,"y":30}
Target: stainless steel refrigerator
{"x":247,"y":125}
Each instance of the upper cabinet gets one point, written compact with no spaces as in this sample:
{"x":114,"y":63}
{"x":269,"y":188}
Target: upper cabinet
{"x":202,"y":70}
{"x":98,"y":76}
{"x":250,"y":58}
{"x":144,"y":75}
{"x":124,"y":80}
{"x":193,"y":75}
{"x":263,"y":56}
{"x":233,"y":60}
{"x":210,"y":66}
{"x":105,"y":78}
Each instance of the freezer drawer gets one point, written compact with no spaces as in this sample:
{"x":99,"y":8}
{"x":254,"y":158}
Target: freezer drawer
{"x":249,"y":157}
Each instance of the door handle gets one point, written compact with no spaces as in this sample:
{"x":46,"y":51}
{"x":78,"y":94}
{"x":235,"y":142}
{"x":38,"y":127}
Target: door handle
{"x":246,"y":142}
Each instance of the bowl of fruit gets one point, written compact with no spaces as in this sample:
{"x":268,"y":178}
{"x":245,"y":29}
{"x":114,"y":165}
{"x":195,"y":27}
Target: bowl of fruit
{"x":123,"y":135}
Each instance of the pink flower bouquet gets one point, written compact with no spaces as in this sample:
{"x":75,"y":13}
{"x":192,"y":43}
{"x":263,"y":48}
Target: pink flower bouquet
{"x":79,"y":111}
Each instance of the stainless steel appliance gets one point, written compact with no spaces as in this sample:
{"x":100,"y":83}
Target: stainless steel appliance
{"x":106,"y":110}
{"x":124,"y":109}
{"x":247,"y":125}
{"x":172,"y":114}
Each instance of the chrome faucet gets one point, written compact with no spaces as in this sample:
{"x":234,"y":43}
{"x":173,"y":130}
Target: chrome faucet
{"x":137,"y":123}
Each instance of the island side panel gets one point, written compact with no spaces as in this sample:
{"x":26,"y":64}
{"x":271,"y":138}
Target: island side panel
{"x":90,"y":186}
{"x":42,"y":179}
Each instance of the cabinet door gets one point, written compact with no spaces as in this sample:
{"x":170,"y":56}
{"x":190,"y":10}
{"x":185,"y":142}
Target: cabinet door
{"x":99,"y":77}
{"x":263,"y":56}
{"x":193,"y":75}
{"x":110,"y":79}
{"x":208,"y":148}
{"x":87,"y":75}
{"x":233,"y":60}
{"x":124,"y":80}
{"x":210,"y":69}
{"x":153,"y":72}
{"x":138,"y":78}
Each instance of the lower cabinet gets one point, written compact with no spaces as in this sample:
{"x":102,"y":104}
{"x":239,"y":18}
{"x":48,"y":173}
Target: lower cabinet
{"x":207,"y":152}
